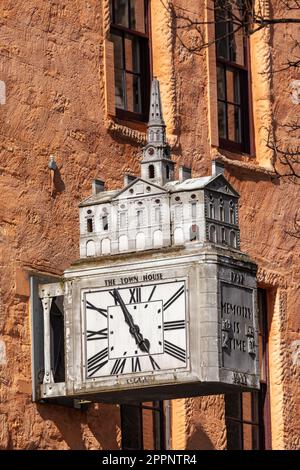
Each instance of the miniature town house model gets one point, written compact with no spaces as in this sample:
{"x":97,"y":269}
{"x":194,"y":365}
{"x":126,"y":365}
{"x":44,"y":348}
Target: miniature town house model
{"x":162,"y":302}
{"x":155,"y":211}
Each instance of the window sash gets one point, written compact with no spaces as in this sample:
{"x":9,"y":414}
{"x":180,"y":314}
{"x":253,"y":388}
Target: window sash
{"x":130,"y":28}
{"x":233,"y":136}
{"x":240,"y":124}
{"x":137,"y":429}
{"x":132,"y":87}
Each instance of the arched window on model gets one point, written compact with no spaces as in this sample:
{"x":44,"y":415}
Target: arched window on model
{"x":89,"y":225}
{"x":231,"y":212}
{"x":167,"y":172}
{"x":212,"y":234}
{"x":221,"y":210}
{"x":151,"y":172}
{"x":232,"y":241}
{"x":223,"y":234}
{"x":122,"y":219}
{"x":193,"y":210}
{"x":158,"y":215}
{"x":139,"y":217}
{"x":105,"y":222}
{"x":211,"y":207}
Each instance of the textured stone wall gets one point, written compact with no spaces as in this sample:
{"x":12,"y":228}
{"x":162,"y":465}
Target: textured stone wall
{"x":51,"y":62}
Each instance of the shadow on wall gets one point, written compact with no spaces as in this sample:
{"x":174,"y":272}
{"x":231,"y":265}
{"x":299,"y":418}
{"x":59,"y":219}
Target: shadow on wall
{"x":94,"y":428}
{"x":58,"y":186}
{"x":199,"y":440}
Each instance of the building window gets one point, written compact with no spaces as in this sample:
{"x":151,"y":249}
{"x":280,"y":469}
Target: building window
{"x":247,"y":414}
{"x":242,"y":420}
{"x":223,"y":233}
{"x":129,"y":33}
{"x":151,"y":172}
{"x":139,"y":218}
{"x":232,"y":77}
{"x":167,"y":172}
{"x":212,"y":234}
{"x":232,"y":239}
{"x":143,"y":426}
{"x":157,"y":215}
{"x":194,"y":233}
{"x":89,"y":225}
{"x":123,"y":219}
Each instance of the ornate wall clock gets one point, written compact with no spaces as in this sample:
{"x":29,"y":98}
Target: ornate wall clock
{"x":138,"y":328}
{"x":162,"y":303}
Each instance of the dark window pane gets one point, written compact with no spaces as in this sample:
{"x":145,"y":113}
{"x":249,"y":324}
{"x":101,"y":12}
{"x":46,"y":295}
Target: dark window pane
{"x":221,"y":83}
{"x":237,"y":89}
{"x":239,"y":47}
{"x":233,"y":405}
{"x":247,"y":406}
{"x":131,"y":427}
{"x":57,"y":340}
{"x":133,"y":96}
{"x":222,"y":120}
{"x":231,"y":122}
{"x":137,"y":14}
{"x":119,"y":89}
{"x":250,"y":437}
{"x":237,"y":38}
{"x":221,"y":33}
{"x":234,"y":435}
{"x":233,"y":86}
{"x":234,"y":123}
{"x":238,"y":124}
{"x":255,"y":406}
{"x":121,"y":13}
{"x":255,"y":438}
{"x":230,"y":85}
{"x":132,"y":54}
{"x":148,"y":430}
{"x":118,"y":50}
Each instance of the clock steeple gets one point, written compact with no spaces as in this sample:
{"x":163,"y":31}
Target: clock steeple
{"x":156,"y":164}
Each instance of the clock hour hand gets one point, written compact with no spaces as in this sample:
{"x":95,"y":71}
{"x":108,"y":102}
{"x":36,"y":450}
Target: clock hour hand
{"x":143,"y":343}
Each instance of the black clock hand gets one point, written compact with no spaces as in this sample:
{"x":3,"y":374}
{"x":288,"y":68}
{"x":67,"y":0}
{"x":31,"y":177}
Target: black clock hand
{"x":143,"y":343}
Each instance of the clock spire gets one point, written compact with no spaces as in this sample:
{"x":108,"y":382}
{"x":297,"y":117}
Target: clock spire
{"x":156,"y":164}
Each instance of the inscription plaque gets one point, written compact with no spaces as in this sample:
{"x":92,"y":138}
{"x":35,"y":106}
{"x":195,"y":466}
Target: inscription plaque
{"x":238,"y":347}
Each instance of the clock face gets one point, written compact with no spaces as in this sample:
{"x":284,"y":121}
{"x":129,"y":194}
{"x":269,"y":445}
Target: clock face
{"x":135,"y":329}
{"x":150,"y":151}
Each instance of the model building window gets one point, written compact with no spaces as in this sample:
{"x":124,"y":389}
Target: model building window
{"x":232,"y":76}
{"x":247,"y":415}
{"x":129,"y":34}
{"x":143,"y":426}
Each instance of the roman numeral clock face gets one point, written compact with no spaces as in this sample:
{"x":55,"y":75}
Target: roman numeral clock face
{"x":135,"y":329}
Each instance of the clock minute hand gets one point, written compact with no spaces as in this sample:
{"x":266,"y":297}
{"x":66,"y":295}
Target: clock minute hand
{"x":143,"y":343}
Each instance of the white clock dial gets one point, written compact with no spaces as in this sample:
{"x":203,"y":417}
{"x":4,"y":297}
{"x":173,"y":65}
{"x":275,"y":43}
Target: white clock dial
{"x":135,"y":329}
